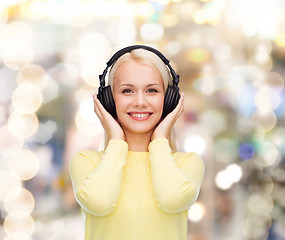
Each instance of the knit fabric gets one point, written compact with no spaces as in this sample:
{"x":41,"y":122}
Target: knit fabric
{"x":127,"y":195}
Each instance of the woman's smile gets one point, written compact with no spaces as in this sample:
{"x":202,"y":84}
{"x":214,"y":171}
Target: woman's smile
{"x":140,"y":116}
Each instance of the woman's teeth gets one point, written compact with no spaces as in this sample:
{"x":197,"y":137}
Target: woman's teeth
{"x":140,"y":115}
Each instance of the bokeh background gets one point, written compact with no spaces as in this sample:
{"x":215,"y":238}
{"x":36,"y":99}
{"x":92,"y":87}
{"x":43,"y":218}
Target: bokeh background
{"x":230,"y":55}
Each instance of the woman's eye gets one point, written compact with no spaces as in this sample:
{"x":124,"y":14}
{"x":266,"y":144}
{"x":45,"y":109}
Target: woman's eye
{"x":127,"y":91}
{"x":152,"y":90}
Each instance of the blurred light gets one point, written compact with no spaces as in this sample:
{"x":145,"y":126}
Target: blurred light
{"x":4,"y":15}
{"x":18,"y":225}
{"x":222,"y":52}
{"x":52,"y":9}
{"x":10,"y":36}
{"x":262,"y":50}
{"x":275,"y":81}
{"x":267,"y":99}
{"x":169,"y":20}
{"x":214,"y":121}
{"x":144,"y":9}
{"x":280,"y":40}
{"x":186,"y":9}
{"x":277,"y":137}
{"x":34,"y":9}
{"x":244,"y":105}
{"x":86,"y":120}
{"x":260,"y":203}
{"x":50,"y":92}
{"x":81,"y":93}
{"x":15,"y":46}
{"x":17,"y":58}
{"x":198,"y":55}
{"x":25,"y":31}
{"x":66,"y":74}
{"x":280,"y":113}
{"x":256,"y":226}
{"x":77,"y":13}
{"x":122,"y":31}
{"x":210,"y":13}
{"x":9,"y":143}
{"x":278,"y":193}
{"x":22,"y":125}
{"x":226,"y":150}
{"x":197,"y":212}
{"x":108,"y":8}
{"x":95,"y":46}
{"x":267,"y":120}
{"x":235,"y":172}
{"x":260,"y":183}
{"x":163,"y":2}
{"x":207,"y":82}
{"x":151,"y":32}
{"x":24,"y":163}
{"x":2,"y":115}
{"x":246,"y":151}
{"x":33,"y":74}
{"x":195,"y":143}
{"x":11,"y":182}
{"x":227,"y":177}
{"x":45,"y":154}
{"x":90,"y":71}
{"x":268,"y":154}
{"x":173,"y":48}
{"x":223,"y":180}
{"x":200,"y":17}
{"x":253,"y":23}
{"x":20,"y":200}
{"x":45,"y":131}
{"x":27,"y":98}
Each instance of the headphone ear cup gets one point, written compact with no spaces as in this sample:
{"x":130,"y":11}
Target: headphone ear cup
{"x":171,"y":100}
{"x":105,"y":96}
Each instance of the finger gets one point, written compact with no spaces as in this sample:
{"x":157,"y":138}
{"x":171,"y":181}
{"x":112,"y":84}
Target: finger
{"x":96,"y":109}
{"x":179,"y":108}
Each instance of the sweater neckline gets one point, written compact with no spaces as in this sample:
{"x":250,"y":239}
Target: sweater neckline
{"x":137,"y":154}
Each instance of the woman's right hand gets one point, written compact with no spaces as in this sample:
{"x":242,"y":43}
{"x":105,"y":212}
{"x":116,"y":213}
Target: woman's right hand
{"x":110,"y":125}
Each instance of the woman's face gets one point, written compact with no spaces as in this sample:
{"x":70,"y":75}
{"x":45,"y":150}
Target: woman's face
{"x":138,"y":92}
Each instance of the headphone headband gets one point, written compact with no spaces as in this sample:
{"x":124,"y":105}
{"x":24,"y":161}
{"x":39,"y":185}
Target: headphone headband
{"x":121,"y":52}
{"x":133,"y":47}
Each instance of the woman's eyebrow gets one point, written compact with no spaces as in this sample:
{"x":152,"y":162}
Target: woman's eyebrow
{"x":131,"y":85}
{"x":126,"y":85}
{"x":153,"y":84}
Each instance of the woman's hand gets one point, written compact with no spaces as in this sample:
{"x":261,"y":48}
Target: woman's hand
{"x":110,"y":125}
{"x":164,"y":127}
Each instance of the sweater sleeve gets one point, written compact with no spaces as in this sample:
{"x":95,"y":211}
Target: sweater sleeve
{"x":176,"y":187}
{"x":97,"y":188}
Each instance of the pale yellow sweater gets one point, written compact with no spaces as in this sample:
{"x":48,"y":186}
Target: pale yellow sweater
{"x":127,"y":195}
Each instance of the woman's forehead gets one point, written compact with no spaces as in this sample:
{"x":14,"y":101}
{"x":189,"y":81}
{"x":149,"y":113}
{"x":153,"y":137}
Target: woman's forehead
{"x":132,"y":72}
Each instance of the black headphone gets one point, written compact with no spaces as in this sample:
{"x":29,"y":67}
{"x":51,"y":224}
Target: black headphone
{"x":172,"y":94}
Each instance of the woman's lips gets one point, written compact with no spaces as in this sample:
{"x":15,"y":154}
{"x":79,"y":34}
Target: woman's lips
{"x":140,"y":116}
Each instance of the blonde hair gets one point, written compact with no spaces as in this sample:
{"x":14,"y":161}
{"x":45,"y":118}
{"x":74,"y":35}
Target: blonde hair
{"x":149,"y":58}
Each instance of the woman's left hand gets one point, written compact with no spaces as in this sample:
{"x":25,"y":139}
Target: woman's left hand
{"x":164,"y":127}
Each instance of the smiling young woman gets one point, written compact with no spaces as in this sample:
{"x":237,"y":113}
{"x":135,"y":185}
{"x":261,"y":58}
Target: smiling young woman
{"x":139,"y":187}
{"x":138,"y":92}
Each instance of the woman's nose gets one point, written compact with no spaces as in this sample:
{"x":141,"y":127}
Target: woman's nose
{"x":140,"y":100}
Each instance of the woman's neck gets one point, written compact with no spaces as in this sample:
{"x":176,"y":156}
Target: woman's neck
{"x":138,"y":142}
